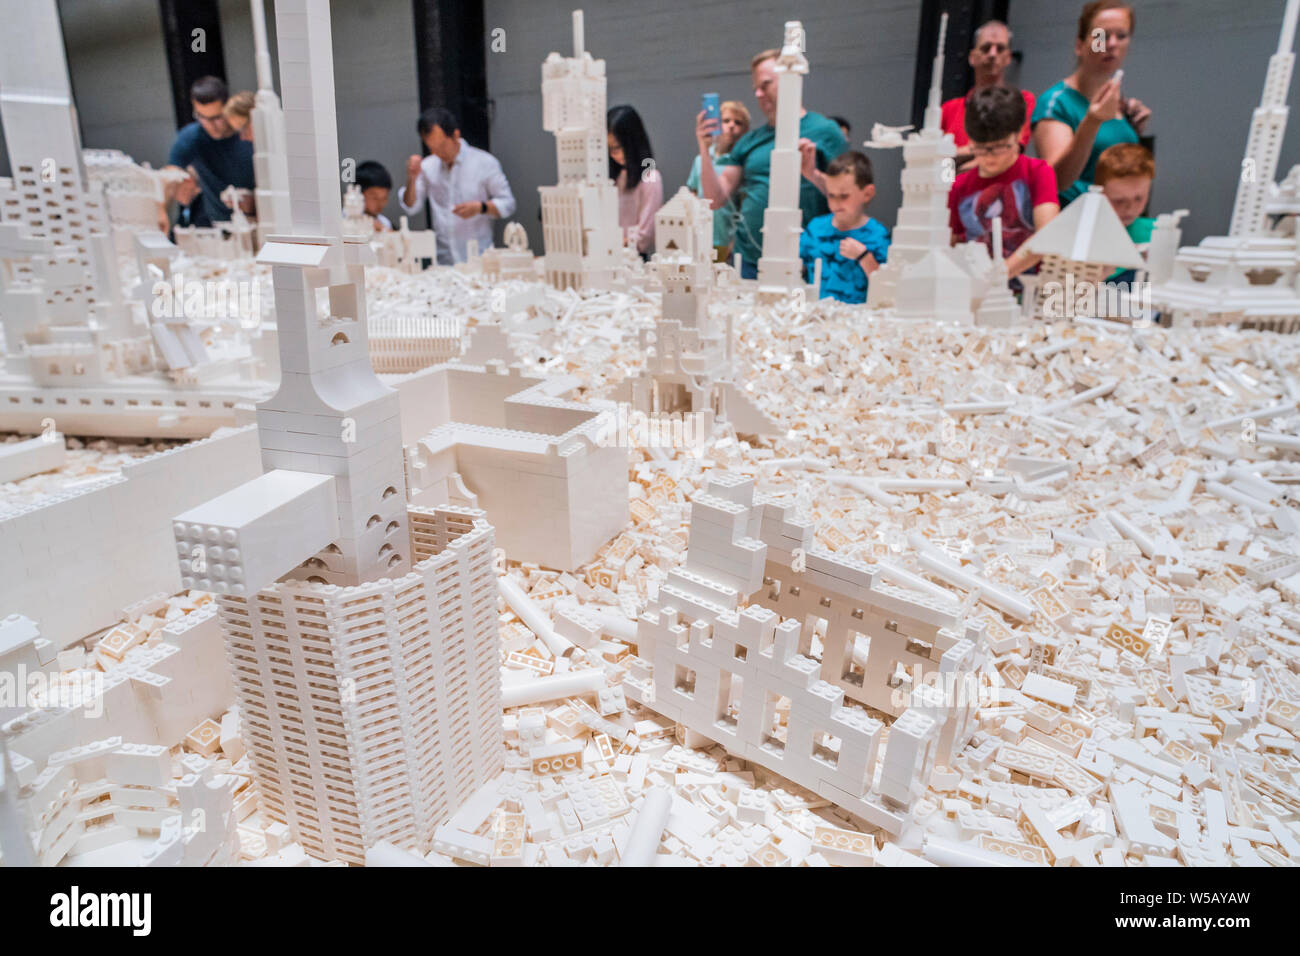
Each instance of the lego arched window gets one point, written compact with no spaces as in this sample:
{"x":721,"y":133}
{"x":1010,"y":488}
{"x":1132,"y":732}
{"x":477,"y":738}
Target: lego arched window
{"x":372,"y":521}
{"x":390,"y":491}
{"x":1263,"y":276}
{"x":394,"y":560}
{"x":316,"y":579}
{"x":339,"y":339}
{"x":392,"y":526}
{"x":385,"y":549}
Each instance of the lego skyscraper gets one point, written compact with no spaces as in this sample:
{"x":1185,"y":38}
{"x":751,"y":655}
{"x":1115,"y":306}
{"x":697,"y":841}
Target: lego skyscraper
{"x":369,"y":692}
{"x":579,"y":213}
{"x":59,"y":290}
{"x":780,"y":268}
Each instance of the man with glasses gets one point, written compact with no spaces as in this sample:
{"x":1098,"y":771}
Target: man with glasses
{"x":989,"y":57}
{"x":214,"y":155}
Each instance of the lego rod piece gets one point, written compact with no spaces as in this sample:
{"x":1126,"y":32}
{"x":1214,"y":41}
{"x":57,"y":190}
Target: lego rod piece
{"x":1278,"y":440}
{"x":1131,"y":531}
{"x":1259,"y":414}
{"x":941,"y":567}
{"x":554,"y":687}
{"x":533,"y":618}
{"x":1105,"y":388}
{"x":1220,"y":490}
{"x":921,"y":484}
{"x":951,"y":853}
{"x":976,"y":408}
{"x":892,"y":572}
{"x":643,"y":841}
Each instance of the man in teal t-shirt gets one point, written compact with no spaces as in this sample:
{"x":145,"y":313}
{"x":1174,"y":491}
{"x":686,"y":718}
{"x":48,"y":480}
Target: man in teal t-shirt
{"x":748,"y":165}
{"x":1067,"y":105}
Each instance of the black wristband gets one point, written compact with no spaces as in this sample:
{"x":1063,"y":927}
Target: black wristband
{"x":861,"y":257}
{"x":484,"y":205}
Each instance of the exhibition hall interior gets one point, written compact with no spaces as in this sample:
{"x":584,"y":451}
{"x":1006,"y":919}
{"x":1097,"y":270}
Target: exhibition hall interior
{"x":502,"y":434}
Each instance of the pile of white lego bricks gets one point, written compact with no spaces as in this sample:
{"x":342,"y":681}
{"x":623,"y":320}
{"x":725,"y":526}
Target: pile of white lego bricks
{"x":1124,"y":496}
{"x":84,"y":462}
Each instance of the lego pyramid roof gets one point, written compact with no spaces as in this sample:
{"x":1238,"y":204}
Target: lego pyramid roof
{"x":1088,"y":230}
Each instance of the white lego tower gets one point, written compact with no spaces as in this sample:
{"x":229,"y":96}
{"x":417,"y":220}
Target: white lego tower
{"x":1267,"y":128}
{"x":370,"y":692}
{"x":331,"y":414}
{"x":1250,"y":275}
{"x":920,"y":248}
{"x":60,"y":293}
{"x":580,"y":213}
{"x":270,"y":161}
{"x":779,"y":268}
{"x":684,"y":262}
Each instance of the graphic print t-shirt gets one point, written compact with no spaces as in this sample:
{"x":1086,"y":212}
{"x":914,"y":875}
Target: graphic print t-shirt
{"x":974,"y":202}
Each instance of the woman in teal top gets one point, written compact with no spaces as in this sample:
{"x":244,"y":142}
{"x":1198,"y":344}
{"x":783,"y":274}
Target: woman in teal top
{"x":1084,"y":114}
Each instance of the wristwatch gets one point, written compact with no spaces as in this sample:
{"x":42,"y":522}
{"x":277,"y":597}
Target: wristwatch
{"x":484,"y":205}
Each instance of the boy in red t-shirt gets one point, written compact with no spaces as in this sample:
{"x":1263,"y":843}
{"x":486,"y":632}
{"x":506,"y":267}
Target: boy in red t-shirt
{"x":1005,"y":184}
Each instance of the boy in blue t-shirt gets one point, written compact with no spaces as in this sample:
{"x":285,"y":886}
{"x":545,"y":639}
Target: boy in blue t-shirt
{"x":850,"y":243}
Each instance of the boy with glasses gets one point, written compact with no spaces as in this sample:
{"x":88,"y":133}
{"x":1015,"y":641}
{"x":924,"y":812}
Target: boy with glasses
{"x":1003,"y":183}
{"x":989,"y":58}
{"x":214,"y":155}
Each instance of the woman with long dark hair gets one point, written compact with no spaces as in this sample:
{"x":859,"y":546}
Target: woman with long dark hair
{"x":632,"y":167}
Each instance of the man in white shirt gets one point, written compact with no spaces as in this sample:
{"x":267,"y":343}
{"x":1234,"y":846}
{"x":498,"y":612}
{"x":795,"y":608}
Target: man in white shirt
{"x":464,"y":185}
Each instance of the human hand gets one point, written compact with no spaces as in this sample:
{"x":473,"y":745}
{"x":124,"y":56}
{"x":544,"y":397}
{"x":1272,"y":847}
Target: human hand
{"x":1137,"y":113}
{"x":706,"y":129}
{"x":413,"y":167}
{"x":807,"y":158}
{"x":851,"y":248}
{"x":1106,"y":103}
{"x":467,"y":210}
{"x":187,"y":190}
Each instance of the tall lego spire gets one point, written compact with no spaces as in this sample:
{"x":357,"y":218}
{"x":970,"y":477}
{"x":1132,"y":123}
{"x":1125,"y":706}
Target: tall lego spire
{"x":933,"y":106}
{"x":270,"y":163}
{"x":1267,"y":126}
{"x":780,"y":266}
{"x":331,"y":415}
{"x":312,"y":147}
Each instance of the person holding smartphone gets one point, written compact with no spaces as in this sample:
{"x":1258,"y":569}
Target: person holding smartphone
{"x":734,"y":124}
{"x":748,"y":164}
{"x":1086,"y":113}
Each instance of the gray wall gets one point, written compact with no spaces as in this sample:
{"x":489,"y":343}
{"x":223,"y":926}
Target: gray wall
{"x":123,"y":93}
{"x":1199,"y":65}
{"x":374,"y":78}
{"x":659,"y":57}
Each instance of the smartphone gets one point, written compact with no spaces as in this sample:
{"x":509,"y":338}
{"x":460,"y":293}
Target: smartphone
{"x":709,"y":103}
